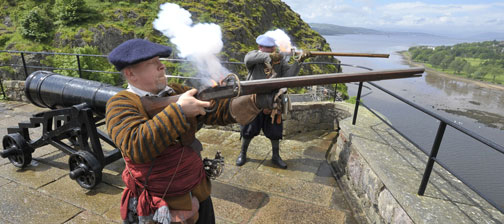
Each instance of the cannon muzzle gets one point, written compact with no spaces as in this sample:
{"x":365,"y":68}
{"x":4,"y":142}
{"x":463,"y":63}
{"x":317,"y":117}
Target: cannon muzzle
{"x":51,"y":90}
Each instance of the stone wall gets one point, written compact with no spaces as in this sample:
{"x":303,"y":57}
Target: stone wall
{"x":14,"y":90}
{"x":381,"y":172}
{"x":312,"y":116}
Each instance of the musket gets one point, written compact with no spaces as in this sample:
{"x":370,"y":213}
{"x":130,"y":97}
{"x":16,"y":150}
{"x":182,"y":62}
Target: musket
{"x":231,"y":87}
{"x":324,"y":53}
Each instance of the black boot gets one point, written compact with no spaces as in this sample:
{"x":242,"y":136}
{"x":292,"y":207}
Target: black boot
{"x":277,"y":160}
{"x":242,"y":158}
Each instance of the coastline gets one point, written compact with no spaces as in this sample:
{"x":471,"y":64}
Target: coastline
{"x":408,"y":60}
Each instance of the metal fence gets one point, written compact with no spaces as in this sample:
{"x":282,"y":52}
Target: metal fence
{"x":437,"y":140}
{"x":433,"y":152}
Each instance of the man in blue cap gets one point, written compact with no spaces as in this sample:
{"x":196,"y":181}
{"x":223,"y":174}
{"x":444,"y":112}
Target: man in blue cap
{"x":266,"y":63}
{"x":164,"y":174}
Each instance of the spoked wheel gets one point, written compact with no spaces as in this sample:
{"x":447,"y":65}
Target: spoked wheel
{"x":17,"y":150}
{"x":85,"y":169}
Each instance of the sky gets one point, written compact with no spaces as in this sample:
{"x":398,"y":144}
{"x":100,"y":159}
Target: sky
{"x":436,"y":17}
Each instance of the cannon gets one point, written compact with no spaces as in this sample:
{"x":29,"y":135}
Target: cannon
{"x":77,"y":109}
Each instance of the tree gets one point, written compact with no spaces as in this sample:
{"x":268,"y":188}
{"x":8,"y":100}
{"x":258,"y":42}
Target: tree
{"x":436,"y":58}
{"x":494,"y":72}
{"x":469,"y":70}
{"x":446,"y":62}
{"x":458,"y":65}
{"x":86,"y":63}
{"x":480,"y":73}
{"x":36,"y":25}
{"x":70,"y":12}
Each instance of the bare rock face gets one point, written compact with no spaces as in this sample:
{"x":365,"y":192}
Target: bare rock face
{"x":7,"y":21}
{"x":17,"y":72}
{"x":75,"y":41}
{"x":107,"y":38}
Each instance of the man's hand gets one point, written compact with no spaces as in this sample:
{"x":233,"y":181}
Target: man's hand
{"x":269,"y":100}
{"x":304,"y":55}
{"x":275,"y":58}
{"x":191,"y":106}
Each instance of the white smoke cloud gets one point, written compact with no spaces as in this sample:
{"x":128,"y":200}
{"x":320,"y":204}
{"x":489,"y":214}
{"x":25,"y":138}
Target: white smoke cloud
{"x":200,"y":43}
{"x":282,"y":40}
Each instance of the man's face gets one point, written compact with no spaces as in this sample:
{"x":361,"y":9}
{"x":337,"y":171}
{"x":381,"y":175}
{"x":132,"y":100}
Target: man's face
{"x":147,"y":75}
{"x":267,"y":49}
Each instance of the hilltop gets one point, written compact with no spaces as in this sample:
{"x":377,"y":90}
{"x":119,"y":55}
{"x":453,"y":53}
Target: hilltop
{"x":332,"y":30}
{"x":97,"y":26}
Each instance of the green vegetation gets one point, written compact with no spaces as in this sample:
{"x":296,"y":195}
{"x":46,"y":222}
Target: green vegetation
{"x":96,"y":26}
{"x":36,"y":25}
{"x":481,"y":61}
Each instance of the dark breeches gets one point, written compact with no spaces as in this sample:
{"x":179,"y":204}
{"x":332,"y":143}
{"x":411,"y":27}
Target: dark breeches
{"x":262,"y":121}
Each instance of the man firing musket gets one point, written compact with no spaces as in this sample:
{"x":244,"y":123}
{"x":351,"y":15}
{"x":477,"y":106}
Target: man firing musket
{"x":266,"y":63}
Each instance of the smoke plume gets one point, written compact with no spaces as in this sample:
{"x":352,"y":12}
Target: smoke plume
{"x":199,"y":43}
{"x":281,"y":40}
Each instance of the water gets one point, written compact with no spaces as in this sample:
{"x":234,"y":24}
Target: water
{"x":475,"y":107}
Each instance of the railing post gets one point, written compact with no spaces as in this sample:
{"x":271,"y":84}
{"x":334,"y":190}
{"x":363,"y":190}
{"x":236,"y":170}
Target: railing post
{"x":432,"y":156}
{"x":78,"y":64}
{"x":3,"y":92}
{"x":24,"y":65}
{"x":357,"y":104}
{"x":335,"y":92}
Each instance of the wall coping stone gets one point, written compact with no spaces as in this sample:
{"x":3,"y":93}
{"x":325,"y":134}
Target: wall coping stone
{"x":384,"y":172}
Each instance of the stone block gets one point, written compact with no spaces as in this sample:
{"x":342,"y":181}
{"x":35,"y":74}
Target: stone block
{"x":23,"y":205}
{"x":98,"y":200}
{"x":288,"y":187}
{"x":284,"y":210}
{"x":35,"y":175}
{"x":236,"y":203}
{"x":386,"y":205}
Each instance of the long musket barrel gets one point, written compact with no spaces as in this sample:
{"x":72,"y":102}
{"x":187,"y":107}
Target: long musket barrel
{"x":51,"y":90}
{"x":267,"y":85}
{"x":369,"y":55}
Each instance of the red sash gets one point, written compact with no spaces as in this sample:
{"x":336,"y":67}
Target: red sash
{"x":189,"y":174}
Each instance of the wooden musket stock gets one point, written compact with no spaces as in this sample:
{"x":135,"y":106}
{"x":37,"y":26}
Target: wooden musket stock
{"x":154,"y":105}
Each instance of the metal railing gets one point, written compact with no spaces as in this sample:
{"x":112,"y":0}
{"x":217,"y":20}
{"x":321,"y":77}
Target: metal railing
{"x":434,"y":150}
{"x":437,"y":140}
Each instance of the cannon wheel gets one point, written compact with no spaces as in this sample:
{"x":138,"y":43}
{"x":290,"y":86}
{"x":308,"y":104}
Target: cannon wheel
{"x":85,"y":169}
{"x":17,"y":149}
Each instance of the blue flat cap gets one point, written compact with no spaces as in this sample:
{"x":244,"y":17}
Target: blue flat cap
{"x":266,"y":41}
{"x":136,"y":50}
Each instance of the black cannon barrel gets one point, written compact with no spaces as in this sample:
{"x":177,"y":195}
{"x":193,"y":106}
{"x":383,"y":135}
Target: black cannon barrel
{"x":51,"y":90}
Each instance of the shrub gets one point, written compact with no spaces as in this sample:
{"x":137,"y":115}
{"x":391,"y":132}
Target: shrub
{"x":70,"y":12}
{"x":36,"y":25}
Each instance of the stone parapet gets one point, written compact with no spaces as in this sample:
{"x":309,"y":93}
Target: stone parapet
{"x":14,"y":90}
{"x":382,"y":171}
{"x":305,"y":117}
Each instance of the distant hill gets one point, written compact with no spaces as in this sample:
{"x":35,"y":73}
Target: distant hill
{"x":332,"y":30}
{"x":486,"y":36}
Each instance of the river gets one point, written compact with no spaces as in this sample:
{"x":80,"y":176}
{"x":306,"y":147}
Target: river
{"x":478,"y":108}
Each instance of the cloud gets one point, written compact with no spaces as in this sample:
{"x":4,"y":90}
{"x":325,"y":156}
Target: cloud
{"x":477,"y":16}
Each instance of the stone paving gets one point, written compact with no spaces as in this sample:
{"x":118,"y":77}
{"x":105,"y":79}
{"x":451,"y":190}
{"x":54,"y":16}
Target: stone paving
{"x":255,"y":193}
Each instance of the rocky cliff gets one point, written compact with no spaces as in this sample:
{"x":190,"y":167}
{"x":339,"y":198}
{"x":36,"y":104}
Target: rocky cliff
{"x":103,"y":24}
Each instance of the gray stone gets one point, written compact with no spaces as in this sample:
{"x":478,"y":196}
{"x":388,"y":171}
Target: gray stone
{"x":97,"y":200}
{"x":381,"y":161}
{"x":287,"y":187}
{"x":35,"y":175}
{"x":88,"y":217}
{"x":236,"y":203}
{"x":283,"y":210}
{"x":23,"y":205}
